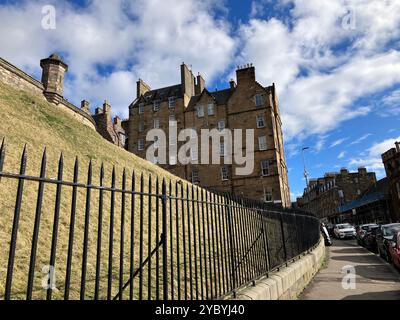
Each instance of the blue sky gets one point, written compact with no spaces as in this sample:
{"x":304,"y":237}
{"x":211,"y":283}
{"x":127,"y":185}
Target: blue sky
{"x":336,"y":63}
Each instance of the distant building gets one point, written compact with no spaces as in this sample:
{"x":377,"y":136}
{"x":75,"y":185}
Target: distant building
{"x":373,"y":206}
{"x":391,"y":161}
{"x":323,"y":196}
{"x":110,"y":129}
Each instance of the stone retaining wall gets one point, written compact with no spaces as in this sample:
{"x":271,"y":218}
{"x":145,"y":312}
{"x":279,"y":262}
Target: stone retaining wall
{"x":15,"y":77}
{"x":288,"y":282}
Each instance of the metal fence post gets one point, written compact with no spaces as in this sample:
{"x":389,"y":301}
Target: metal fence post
{"x":266,"y":245}
{"x":283,"y":237}
{"x":164,"y":237}
{"x":14,"y":232}
{"x":233,"y":260}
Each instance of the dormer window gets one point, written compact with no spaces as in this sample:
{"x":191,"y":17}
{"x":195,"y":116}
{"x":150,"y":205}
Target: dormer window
{"x":141,"y":108}
{"x":171,"y":102}
{"x":156,"y":105}
{"x":259,"y":101}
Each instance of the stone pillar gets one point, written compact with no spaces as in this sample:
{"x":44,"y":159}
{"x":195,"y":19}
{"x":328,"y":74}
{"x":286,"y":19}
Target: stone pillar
{"x":85,"y":105}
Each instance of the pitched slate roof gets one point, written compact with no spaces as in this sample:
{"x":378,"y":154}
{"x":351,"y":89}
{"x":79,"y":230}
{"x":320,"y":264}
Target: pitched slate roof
{"x":161,"y":94}
{"x":220,"y":97}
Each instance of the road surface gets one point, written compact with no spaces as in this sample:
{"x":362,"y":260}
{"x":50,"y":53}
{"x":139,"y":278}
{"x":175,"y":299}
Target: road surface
{"x":374,"y":278}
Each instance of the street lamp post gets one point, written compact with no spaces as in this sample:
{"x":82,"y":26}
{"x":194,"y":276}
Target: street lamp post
{"x":304,"y":164}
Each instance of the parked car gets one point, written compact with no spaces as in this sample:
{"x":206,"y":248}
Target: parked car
{"x":344,"y":230}
{"x":383,"y":236}
{"x":361,"y":231}
{"x":394,"y":249}
{"x":370,"y":239}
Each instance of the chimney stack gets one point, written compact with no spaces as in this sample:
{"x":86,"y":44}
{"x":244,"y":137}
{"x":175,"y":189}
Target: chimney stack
{"x":200,"y":84}
{"x":141,"y":88}
{"x":246,"y":74}
{"x":232,"y":84}
{"x":397,"y":146}
{"x":187,"y":81}
{"x":106,"y":107}
{"x":362,"y":170}
{"x":85,"y":106}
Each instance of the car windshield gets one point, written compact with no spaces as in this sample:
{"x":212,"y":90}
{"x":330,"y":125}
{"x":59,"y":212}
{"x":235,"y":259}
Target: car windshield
{"x":391,"y":230}
{"x":344,"y":226}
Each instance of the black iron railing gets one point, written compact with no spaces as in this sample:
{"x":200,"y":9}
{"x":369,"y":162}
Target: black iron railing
{"x":136,"y":239}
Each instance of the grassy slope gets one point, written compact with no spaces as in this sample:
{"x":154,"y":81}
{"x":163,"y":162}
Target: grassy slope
{"x":27,"y":119}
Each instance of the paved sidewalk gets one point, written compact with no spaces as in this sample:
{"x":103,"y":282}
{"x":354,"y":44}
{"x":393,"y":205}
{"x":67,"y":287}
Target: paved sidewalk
{"x":375,"y":279}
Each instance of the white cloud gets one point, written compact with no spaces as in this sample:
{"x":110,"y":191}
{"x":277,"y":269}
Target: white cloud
{"x":125,"y":39}
{"x":391,"y":104}
{"x":320,"y":143}
{"x":361,"y":139}
{"x":342,"y":155}
{"x":338,"y":142}
{"x":372,"y":160}
{"x":321,"y":68}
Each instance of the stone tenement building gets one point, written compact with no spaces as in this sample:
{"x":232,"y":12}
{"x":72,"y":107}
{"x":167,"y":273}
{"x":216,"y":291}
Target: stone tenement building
{"x":391,"y":160}
{"x":323,"y":196}
{"x":51,"y":88}
{"x":245,"y":105}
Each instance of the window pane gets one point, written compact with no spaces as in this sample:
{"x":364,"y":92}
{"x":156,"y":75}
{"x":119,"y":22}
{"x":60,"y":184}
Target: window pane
{"x":141,"y":144}
{"x":262,"y":143}
{"x":141,"y":108}
{"x":211,"y":109}
{"x":195,"y":176}
{"x":224,"y":173}
{"x":265,"y":168}
{"x":200,"y":111}
{"x":259,"y":100}
{"x":141,"y":126}
{"x":171,"y":102}
{"x":260,"y":121}
{"x":222,"y":150}
{"x":156,"y":105}
{"x":221,"y":125}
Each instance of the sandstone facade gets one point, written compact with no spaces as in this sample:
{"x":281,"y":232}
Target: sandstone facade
{"x":245,"y":105}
